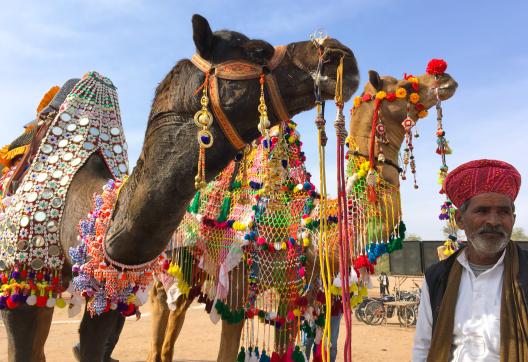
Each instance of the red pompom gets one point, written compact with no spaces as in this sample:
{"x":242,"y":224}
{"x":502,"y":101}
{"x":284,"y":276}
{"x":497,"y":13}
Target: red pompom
{"x":41,"y":301}
{"x":275,"y":357}
{"x":11,"y":304}
{"x":366,"y":97}
{"x":436,"y":67}
{"x":130,"y":311}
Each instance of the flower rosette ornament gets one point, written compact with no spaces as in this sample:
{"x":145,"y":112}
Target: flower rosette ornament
{"x":106,"y":283}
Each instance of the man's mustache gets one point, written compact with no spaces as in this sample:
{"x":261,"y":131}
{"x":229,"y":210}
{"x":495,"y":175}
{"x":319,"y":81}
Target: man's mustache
{"x":487,"y":229}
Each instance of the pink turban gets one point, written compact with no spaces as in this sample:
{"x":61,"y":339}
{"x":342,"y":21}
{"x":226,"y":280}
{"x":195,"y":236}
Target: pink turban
{"x":481,"y":176}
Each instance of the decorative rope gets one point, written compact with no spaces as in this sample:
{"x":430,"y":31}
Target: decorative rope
{"x":344,"y":265}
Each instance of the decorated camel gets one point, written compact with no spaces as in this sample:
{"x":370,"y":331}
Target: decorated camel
{"x":375,"y":218}
{"x":53,"y":156}
{"x":153,"y":200}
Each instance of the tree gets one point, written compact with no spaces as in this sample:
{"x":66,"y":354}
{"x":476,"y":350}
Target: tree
{"x":518,"y":234}
{"x":413,"y":237}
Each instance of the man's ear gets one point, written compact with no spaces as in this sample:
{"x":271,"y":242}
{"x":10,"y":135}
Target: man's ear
{"x":458,"y":219}
{"x":202,"y":36}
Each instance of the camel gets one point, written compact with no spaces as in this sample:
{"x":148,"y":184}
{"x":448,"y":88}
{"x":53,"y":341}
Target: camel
{"x":167,"y":324}
{"x":153,"y":200}
{"x":27,"y":324}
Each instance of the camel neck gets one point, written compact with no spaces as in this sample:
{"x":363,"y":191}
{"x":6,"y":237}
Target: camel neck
{"x":149,"y":207}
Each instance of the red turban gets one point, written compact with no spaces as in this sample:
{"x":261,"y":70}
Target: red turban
{"x":481,"y":176}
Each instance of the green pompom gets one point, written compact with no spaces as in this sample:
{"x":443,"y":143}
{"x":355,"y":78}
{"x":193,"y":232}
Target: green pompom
{"x":297,"y":355}
{"x":224,"y":210}
{"x":195,"y":204}
{"x":241,"y":355}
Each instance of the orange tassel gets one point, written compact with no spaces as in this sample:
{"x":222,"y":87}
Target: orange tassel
{"x":372,"y":194}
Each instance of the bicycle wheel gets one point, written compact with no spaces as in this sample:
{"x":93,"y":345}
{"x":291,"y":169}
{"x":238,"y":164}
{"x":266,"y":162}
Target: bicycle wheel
{"x":360,"y":310}
{"x":374,"y":313}
{"x":407,"y":316}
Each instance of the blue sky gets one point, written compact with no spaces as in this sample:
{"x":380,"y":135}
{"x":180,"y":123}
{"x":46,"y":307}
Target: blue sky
{"x":135,"y":43}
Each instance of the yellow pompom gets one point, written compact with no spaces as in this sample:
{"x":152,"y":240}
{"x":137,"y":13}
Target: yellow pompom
{"x":423,"y":114}
{"x":414,"y":98}
{"x":381,"y":95}
{"x":354,"y":288}
{"x":297,"y":312}
{"x":363,"y":292}
{"x":60,"y":303}
{"x":283,"y":246}
{"x":306,"y":242}
{"x":401,"y":93}
{"x":357,"y":101}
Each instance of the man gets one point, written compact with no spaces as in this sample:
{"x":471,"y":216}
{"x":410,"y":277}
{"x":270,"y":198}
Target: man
{"x":473,"y":305}
{"x":335,"y":322}
{"x":383,"y":284}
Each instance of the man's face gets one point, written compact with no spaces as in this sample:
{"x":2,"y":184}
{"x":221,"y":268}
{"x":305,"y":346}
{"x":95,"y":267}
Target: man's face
{"x":487,"y":222}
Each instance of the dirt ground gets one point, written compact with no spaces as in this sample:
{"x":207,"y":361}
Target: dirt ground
{"x":199,"y":340}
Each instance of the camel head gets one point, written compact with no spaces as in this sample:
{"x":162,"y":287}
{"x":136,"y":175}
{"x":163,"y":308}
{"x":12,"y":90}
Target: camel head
{"x":394,"y":108}
{"x":394,"y":112}
{"x":294,"y":69}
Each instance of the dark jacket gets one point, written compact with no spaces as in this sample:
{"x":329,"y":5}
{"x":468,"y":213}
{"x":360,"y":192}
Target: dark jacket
{"x":436,"y":277}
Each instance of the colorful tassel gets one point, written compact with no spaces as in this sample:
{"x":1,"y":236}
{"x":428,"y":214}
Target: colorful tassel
{"x":224,"y":210}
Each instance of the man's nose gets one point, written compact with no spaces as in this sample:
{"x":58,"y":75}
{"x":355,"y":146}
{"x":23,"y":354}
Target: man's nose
{"x":493,"y":219}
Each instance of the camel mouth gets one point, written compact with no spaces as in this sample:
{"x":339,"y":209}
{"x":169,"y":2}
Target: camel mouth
{"x":447,"y":90}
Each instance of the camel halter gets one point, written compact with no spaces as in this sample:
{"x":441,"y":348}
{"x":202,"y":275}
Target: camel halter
{"x":241,"y":70}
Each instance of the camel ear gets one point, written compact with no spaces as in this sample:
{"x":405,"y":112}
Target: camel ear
{"x":202,"y":36}
{"x":375,"y":80}
{"x":258,"y":51}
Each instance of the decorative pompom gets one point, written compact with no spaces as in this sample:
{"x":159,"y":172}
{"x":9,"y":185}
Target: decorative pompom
{"x":41,"y":301}
{"x":11,"y":303}
{"x":275,"y":357}
{"x":436,"y":67}
{"x":241,"y":355}
{"x":50,"y":303}
{"x":59,"y":302}
{"x":31,"y":300}
{"x":264,"y":357}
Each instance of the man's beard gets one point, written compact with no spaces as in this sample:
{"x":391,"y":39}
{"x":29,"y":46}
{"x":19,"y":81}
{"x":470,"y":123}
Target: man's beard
{"x":489,"y":245}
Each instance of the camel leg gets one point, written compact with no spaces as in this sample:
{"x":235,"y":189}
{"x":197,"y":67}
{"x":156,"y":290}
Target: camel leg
{"x":27,"y":326}
{"x":96,"y":333}
{"x":174,"y":326}
{"x":160,"y":315}
{"x":229,"y":342}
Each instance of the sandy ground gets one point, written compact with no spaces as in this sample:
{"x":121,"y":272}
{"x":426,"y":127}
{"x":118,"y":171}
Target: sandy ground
{"x":199,"y":339}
